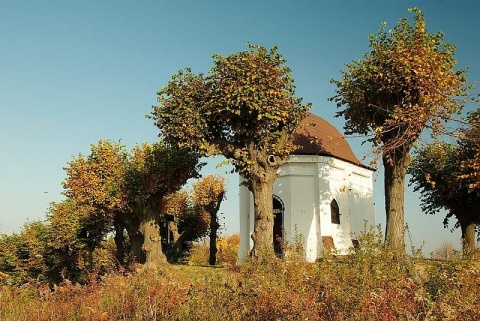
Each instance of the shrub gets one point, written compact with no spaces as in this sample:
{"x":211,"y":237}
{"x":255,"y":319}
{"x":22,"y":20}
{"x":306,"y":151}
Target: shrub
{"x":227,"y":254}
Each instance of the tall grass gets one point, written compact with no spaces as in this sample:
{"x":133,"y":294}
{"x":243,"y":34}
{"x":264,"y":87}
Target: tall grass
{"x":370,"y":284}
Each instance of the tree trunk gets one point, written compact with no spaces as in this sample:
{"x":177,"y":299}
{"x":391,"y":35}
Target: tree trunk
{"x":150,"y":227}
{"x":212,"y":260}
{"x":132,"y":225}
{"x":261,"y":185}
{"x":136,"y":241}
{"x":119,"y":242}
{"x":173,"y":228}
{"x":152,"y":245}
{"x":146,"y":241}
{"x":468,"y":236}
{"x":394,"y":177}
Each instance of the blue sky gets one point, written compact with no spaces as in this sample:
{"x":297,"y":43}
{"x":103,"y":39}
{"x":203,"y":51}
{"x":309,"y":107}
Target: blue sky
{"x":74,"y":72}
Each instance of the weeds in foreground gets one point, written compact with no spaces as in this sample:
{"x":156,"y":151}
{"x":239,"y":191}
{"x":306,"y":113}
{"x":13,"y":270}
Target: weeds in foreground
{"x":370,"y":284}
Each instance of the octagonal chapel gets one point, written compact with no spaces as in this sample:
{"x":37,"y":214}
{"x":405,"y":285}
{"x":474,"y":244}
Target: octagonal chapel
{"x":323,"y":195}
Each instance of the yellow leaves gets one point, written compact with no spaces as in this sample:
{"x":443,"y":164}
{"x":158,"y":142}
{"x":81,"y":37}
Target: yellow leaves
{"x":98,"y":179}
{"x":208,"y":189}
{"x":404,"y":85}
{"x":175,"y":203}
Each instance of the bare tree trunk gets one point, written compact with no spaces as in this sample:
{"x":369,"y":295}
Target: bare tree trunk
{"x":119,"y":242}
{"x":394,"y":177}
{"x":132,"y":225}
{"x":212,"y":259}
{"x":147,"y":243}
{"x":152,"y":243}
{"x":136,"y":241}
{"x":150,"y":227}
{"x":468,"y":236}
{"x":173,"y":227}
{"x":262,"y":188}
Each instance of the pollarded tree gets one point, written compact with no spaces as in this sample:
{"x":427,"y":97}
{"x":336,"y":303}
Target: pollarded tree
{"x":154,"y":171}
{"x":245,"y":110}
{"x":436,"y":172}
{"x":208,"y":194}
{"x":407,"y":83}
{"x":98,"y":182}
{"x":124,"y":191}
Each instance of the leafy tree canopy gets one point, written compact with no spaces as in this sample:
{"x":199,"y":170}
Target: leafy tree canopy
{"x":444,"y":183}
{"x":407,"y":83}
{"x":436,"y":172}
{"x":471,"y":142}
{"x":246,"y":103}
{"x":245,"y":110}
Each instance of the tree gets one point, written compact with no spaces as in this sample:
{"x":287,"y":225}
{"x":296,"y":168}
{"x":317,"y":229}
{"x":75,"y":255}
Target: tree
{"x":68,"y":249}
{"x":123,"y":190}
{"x":154,"y":171}
{"x":23,"y":255}
{"x":437,"y":173}
{"x":245,"y":110}
{"x":446,"y":251}
{"x":185,"y":224}
{"x":407,"y":83}
{"x":208,"y":195}
{"x":98,"y":182}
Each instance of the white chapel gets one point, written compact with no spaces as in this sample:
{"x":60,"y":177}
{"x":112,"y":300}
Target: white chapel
{"x":323,"y":194}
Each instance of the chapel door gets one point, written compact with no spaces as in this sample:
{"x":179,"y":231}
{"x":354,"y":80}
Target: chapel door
{"x":278,"y":230}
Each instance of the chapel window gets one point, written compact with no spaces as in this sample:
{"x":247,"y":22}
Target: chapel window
{"x":335,"y":212}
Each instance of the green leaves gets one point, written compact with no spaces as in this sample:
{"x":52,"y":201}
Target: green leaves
{"x":437,"y":173}
{"x":246,"y":101}
{"x":159,"y":169}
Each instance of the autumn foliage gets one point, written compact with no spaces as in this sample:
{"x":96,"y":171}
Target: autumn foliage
{"x":438,"y":174}
{"x":246,"y":110}
{"x":406,"y":84}
{"x":359,"y":287}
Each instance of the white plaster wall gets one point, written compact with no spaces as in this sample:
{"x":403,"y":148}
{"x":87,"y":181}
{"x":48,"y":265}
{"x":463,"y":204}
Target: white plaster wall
{"x":361,"y":194}
{"x":246,"y":221}
{"x":307,"y":184}
{"x":351,"y":186}
{"x":297,"y":179}
{"x":303,"y":214}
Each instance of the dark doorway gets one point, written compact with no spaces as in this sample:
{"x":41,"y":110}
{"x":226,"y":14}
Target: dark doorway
{"x":278,"y":231}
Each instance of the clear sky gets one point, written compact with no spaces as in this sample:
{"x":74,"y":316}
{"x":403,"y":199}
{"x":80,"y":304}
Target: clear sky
{"x":74,"y":72}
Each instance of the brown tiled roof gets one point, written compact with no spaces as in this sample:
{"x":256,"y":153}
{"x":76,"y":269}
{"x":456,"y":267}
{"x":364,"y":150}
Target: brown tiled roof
{"x":316,"y":136}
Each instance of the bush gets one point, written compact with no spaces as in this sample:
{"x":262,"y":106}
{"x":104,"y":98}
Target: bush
{"x":227,"y":254}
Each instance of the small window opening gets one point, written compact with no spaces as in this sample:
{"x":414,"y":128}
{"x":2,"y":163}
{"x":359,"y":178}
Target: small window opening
{"x":335,"y":212}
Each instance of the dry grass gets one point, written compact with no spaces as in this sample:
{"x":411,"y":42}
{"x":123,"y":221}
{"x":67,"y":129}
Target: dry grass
{"x":369,"y":285}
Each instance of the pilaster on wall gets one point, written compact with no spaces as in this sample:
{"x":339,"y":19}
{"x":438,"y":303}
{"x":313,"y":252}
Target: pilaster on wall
{"x":246,"y":220}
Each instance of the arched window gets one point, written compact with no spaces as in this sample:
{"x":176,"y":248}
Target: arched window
{"x":335,"y":212}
